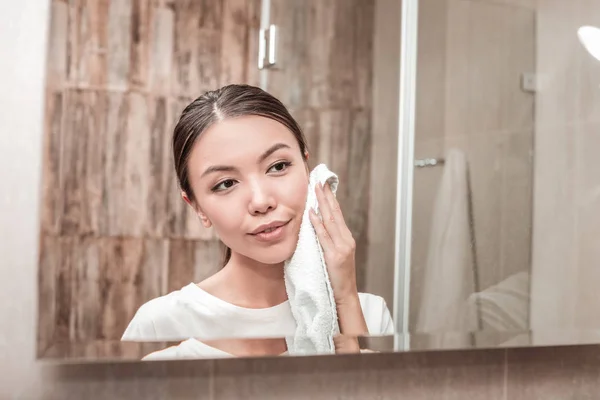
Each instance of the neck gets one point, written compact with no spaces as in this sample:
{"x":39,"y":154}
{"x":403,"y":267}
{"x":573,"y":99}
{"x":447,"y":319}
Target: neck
{"x":254,"y":284}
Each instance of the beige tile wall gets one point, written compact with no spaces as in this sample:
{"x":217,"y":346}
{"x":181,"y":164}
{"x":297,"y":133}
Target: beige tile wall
{"x":471,"y":57}
{"x":429,"y":134}
{"x":566,"y":246}
{"x":384,"y":149}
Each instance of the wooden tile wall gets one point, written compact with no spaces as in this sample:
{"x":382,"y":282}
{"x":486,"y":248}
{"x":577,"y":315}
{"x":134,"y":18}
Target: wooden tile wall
{"x":114,"y":231}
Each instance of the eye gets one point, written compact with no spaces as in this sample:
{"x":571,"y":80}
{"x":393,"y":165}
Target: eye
{"x":224,"y":185}
{"x":280,"y":166}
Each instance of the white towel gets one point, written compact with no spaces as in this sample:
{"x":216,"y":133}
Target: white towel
{"x":504,"y":306}
{"x":307,"y":281}
{"x":449,"y":276}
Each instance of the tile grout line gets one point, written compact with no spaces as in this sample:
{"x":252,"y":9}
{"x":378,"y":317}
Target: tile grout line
{"x":505,"y":373}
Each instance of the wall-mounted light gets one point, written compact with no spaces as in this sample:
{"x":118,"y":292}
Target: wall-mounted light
{"x":589,"y":36}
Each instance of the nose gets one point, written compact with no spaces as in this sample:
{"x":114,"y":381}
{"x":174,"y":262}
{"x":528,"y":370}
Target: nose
{"x":262,"y":199}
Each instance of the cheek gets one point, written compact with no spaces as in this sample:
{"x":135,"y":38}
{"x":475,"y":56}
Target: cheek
{"x":224,"y":214}
{"x":295,"y":193}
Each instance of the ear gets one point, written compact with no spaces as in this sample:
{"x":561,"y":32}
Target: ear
{"x":306,"y":163}
{"x":203,"y":218}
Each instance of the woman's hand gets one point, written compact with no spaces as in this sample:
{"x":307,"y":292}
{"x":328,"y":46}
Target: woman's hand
{"x":338,"y":248}
{"x":338,"y":244}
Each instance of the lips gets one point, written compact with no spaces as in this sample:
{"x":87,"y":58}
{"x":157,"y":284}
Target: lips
{"x":271,"y":233}
{"x":270,"y":227}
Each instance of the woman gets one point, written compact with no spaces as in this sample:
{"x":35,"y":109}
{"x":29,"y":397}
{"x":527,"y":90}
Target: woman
{"x":241,"y":161}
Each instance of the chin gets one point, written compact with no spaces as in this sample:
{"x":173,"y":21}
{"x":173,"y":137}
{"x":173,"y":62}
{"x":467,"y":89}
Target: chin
{"x":275,"y":254}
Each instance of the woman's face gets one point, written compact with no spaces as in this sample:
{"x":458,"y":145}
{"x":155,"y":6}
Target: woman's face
{"x":250,"y":184}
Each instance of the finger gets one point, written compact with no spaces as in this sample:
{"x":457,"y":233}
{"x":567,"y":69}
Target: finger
{"x":322,"y":234}
{"x":336,"y":211}
{"x":328,"y":217}
{"x":331,"y":200}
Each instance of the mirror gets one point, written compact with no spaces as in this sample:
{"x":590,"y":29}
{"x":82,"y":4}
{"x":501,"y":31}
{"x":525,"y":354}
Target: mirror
{"x":461,"y":134}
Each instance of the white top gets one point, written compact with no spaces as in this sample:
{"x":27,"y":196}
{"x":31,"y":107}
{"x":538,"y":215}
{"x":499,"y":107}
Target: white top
{"x":188,"y":349}
{"x":194,"y":349}
{"x":194,"y":313}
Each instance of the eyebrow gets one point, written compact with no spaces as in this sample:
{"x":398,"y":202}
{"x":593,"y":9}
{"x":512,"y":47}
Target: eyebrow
{"x":263,"y":157}
{"x":218,"y":168}
{"x":271,"y":150}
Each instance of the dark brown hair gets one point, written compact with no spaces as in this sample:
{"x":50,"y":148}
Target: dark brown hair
{"x":230,"y":101}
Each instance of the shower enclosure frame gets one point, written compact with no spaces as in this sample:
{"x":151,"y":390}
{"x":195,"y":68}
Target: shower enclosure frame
{"x":404,"y":184}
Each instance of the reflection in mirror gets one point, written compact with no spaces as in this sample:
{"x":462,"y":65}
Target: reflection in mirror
{"x":504,"y":231}
{"x":472,"y":227}
{"x":197,"y":348}
{"x":200,"y":349}
{"x":194,"y":348}
{"x":150,"y":173}
{"x":145,"y":182}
